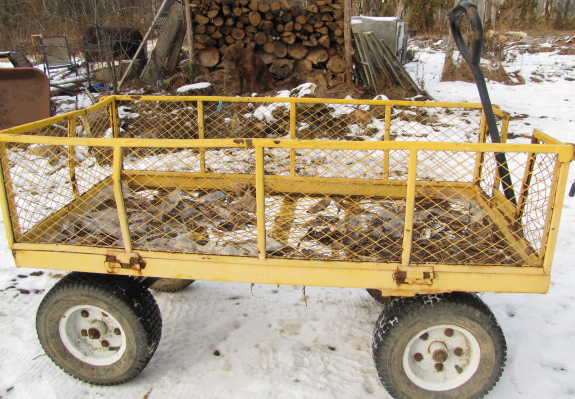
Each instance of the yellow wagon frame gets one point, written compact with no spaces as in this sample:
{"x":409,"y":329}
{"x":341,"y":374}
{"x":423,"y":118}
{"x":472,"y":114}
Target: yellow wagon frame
{"x":404,"y":277}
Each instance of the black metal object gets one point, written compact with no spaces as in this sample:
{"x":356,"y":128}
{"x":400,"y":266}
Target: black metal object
{"x":473,"y":58}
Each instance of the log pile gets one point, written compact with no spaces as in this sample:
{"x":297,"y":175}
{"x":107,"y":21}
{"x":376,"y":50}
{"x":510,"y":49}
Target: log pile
{"x":287,"y":35}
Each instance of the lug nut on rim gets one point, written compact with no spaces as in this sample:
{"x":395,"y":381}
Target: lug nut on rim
{"x":440,"y":355}
{"x":94,"y":333}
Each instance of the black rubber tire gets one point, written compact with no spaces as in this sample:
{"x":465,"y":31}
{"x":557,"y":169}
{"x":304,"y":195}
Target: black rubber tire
{"x":171,"y":284}
{"x":405,"y":317}
{"x":125,"y":299}
{"x":376,"y":294}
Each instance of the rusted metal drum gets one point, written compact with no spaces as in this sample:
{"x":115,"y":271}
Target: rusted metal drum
{"x":24,"y":96}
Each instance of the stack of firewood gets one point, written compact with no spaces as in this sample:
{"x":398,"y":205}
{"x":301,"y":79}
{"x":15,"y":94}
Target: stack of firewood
{"x":286,"y":34}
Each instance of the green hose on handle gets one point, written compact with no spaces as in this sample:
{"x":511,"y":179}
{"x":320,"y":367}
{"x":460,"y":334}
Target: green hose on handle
{"x":473,"y":59}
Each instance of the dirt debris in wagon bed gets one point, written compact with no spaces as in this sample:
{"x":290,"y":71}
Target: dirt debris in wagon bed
{"x":346,"y":228}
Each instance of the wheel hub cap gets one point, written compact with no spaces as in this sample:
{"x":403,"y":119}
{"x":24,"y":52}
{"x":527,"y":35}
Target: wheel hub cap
{"x":441,"y":357}
{"x":92,"y":335}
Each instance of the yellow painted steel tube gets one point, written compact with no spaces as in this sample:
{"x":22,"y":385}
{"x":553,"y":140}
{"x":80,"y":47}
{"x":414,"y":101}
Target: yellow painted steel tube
{"x":304,"y":100}
{"x":119,"y":197}
{"x":564,"y":151}
{"x":409,"y":209}
{"x":386,"y":137}
{"x":201,"y":135}
{"x":114,"y":122}
{"x":292,"y":135}
{"x":300,"y":272}
{"x":260,"y":204}
{"x":6,"y":200}
{"x":72,"y":158}
{"x":554,"y":215}
{"x":55,"y":119}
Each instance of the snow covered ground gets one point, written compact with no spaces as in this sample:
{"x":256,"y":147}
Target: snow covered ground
{"x":228,"y":340}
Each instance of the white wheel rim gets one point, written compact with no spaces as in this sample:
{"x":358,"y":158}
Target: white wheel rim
{"x":92,"y":335}
{"x":441,"y":357}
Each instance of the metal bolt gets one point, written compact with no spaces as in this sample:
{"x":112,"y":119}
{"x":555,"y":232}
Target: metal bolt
{"x":94,"y":333}
{"x":440,"y":355}
{"x":458,"y":351}
{"x":84,"y":333}
{"x":117,"y":331}
{"x":105,"y":343}
{"x":418,"y":357}
{"x":84,"y":313}
{"x":424,"y":336}
{"x":448,"y":332}
{"x":439,"y":366}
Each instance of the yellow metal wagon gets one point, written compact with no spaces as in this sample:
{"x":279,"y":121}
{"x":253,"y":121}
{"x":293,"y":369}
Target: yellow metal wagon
{"x":402,"y":198}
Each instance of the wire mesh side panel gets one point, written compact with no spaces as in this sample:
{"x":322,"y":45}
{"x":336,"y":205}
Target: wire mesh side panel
{"x":450,"y":225}
{"x":188,"y":119}
{"x":454,"y":229}
{"x":329,"y":214}
{"x":335,"y":226}
{"x":158,"y":119}
{"x":172,"y":207}
{"x":536,"y":214}
{"x":59,"y":193}
{"x":331,"y":208}
{"x":423,"y":123}
{"x":92,"y":164}
{"x":532,"y":177}
{"x":93,"y":219}
{"x":38,"y":183}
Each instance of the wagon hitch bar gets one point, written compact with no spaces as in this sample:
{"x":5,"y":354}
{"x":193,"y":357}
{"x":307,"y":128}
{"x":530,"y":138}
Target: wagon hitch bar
{"x":473,"y":58}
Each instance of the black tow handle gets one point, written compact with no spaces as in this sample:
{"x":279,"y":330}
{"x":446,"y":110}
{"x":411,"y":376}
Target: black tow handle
{"x":473,"y":58}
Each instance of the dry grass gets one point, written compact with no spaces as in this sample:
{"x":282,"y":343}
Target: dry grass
{"x":460,"y":71}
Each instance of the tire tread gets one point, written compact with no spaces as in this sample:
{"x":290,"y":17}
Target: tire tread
{"x":125,"y":289}
{"x":406,"y":309}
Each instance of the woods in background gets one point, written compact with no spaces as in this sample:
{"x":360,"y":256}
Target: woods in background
{"x":19,"y":19}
